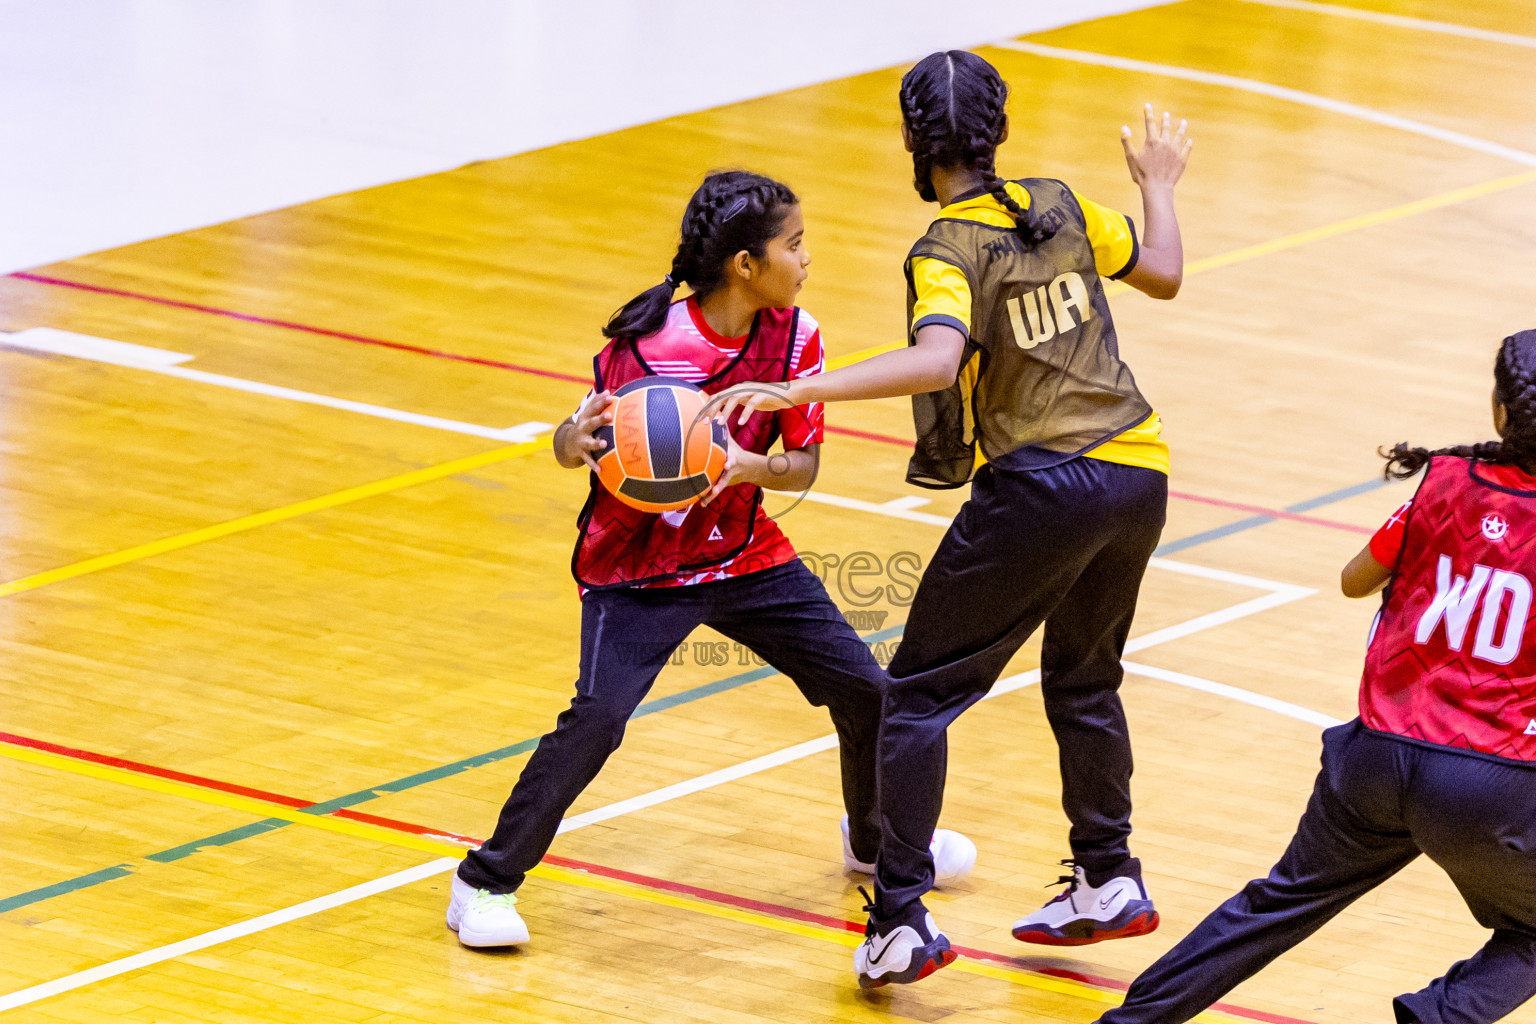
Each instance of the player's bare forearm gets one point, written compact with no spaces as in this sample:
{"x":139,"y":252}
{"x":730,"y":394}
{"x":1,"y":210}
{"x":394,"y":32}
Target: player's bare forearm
{"x":793,"y":470}
{"x":1159,"y":271}
{"x":930,"y":365}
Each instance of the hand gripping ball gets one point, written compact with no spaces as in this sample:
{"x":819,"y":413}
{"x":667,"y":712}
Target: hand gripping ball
{"x":662,"y":453}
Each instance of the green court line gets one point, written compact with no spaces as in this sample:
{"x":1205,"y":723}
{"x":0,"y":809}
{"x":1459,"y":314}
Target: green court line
{"x":422,"y":778}
{"x":688,"y":696}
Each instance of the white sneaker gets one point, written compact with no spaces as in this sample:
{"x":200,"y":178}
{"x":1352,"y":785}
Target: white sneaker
{"x":484,"y":918}
{"x":953,"y":856}
{"x":905,"y":949}
{"x":1118,"y":909}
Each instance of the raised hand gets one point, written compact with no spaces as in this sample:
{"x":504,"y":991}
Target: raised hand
{"x":1164,"y":156}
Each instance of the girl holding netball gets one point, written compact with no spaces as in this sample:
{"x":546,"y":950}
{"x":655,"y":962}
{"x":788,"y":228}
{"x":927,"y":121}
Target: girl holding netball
{"x":649,"y":579}
{"x":1013,"y":359}
{"x":1442,"y":759}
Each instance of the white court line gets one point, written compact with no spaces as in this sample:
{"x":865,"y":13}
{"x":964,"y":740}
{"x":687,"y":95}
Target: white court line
{"x":1258,"y":700}
{"x":1400,"y":21}
{"x":1280,"y":593}
{"x":167,"y":364}
{"x":900,"y":509}
{"x":161,"y":361}
{"x":157,"y":360}
{"x":1280,"y":92}
{"x":703,"y":782}
{"x":897,"y":508}
{"x":149,"y":958}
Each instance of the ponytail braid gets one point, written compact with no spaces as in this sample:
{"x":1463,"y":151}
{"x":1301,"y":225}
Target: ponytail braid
{"x":731,"y":212}
{"x":1514,"y":385}
{"x":955,"y":107}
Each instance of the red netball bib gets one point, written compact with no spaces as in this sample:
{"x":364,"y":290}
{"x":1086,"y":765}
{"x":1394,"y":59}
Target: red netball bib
{"x":1452,"y":656}
{"x":619,"y":546}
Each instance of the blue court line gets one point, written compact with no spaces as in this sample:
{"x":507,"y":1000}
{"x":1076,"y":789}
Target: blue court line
{"x":688,"y":696}
{"x":1247,"y":524}
{"x":235,"y":835}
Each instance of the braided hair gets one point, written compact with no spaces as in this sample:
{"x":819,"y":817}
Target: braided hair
{"x":954,"y":105}
{"x":732,"y":211}
{"x":1514,"y":385}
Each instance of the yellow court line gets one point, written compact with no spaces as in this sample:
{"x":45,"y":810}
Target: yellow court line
{"x":276,"y":515}
{"x":1365,"y":220}
{"x":395,"y":483}
{"x":630,"y":890}
{"x":1280,"y":244}
{"x":233,"y":801}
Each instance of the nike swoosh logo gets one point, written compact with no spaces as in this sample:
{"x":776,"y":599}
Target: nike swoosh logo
{"x":1105,"y":902}
{"x":881,"y":954}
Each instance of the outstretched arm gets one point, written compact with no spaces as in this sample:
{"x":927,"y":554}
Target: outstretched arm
{"x":1159,"y":271}
{"x":929,"y":365}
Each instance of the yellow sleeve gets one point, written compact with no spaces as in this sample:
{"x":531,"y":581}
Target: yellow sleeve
{"x":1113,"y":236}
{"x":943,"y":295}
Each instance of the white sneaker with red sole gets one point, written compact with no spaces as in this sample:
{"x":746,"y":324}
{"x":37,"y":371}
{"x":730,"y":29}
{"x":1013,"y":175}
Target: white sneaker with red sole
{"x":1118,"y":909}
{"x":904,"y":949}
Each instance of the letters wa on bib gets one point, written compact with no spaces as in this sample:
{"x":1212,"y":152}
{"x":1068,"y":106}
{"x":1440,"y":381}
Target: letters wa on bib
{"x":1025,"y":404}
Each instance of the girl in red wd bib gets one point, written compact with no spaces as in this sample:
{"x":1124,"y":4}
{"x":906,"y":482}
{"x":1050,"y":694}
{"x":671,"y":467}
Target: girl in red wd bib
{"x":1440,"y":760}
{"x":649,"y":579}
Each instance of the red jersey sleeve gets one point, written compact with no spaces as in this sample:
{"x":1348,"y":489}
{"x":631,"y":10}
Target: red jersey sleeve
{"x":1387,"y":542}
{"x":802,"y":425}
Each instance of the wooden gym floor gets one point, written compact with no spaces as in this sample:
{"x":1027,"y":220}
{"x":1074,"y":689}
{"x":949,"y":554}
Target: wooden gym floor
{"x":262,"y":647}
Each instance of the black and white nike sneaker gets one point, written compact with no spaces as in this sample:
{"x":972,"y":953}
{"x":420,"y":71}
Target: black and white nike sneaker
{"x":904,"y":949}
{"x":1118,"y":909}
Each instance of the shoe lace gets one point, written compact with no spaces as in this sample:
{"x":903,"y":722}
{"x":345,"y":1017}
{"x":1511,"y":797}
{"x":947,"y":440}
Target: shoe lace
{"x":1070,"y":881}
{"x":486,"y":900}
{"x":869,"y":910}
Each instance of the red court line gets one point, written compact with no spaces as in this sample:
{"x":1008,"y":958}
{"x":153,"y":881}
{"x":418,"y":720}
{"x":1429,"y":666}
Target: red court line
{"x":809,"y":917}
{"x":290,"y":325}
{"x":648,"y":881}
{"x":226,"y":787}
{"x":363,"y":339}
{"x":1274,"y":512}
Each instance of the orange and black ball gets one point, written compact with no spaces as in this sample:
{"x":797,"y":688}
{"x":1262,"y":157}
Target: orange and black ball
{"x":662,"y":453}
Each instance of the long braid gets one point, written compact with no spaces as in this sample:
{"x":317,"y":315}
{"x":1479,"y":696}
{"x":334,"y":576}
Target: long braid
{"x":1517,"y":392}
{"x":732,"y":212}
{"x":955,"y":107}
{"x":1514,"y":384}
{"x":1032,"y":231}
{"x":926,"y":135}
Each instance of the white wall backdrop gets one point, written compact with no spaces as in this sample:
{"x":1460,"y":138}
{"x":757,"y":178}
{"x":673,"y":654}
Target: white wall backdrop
{"x":123,"y":120}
